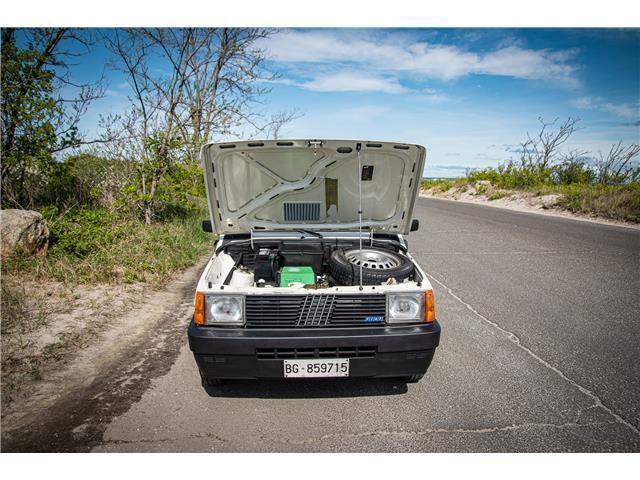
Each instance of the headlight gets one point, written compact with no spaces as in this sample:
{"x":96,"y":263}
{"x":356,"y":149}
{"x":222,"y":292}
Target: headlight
{"x":223,"y":310}
{"x":405,"y":307}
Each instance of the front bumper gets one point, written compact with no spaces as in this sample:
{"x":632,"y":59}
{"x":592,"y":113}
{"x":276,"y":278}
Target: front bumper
{"x":390,"y":351}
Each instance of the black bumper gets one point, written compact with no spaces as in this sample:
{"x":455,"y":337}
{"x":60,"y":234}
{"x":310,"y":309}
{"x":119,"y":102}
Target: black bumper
{"x":259,"y":353}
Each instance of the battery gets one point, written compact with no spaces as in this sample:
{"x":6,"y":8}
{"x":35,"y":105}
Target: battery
{"x":297,"y":275}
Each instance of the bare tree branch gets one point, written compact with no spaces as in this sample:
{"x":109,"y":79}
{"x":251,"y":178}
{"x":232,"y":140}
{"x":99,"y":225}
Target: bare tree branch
{"x":543,"y":149}
{"x":618,"y":165}
{"x":189,"y":85}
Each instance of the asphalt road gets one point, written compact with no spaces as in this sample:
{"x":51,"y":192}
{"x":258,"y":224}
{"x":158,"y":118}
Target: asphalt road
{"x":539,"y":352}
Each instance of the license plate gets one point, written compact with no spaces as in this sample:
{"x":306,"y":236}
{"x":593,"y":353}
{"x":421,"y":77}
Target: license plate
{"x":336,"y":367}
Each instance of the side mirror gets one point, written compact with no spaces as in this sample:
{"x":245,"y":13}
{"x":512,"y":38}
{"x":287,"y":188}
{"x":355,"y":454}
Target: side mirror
{"x":415,"y":224}
{"x":206,"y":226}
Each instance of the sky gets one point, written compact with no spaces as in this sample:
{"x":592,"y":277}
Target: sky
{"x":468,"y":95}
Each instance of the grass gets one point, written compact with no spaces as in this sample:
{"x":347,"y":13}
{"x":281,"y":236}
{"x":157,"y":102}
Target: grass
{"x":89,"y":245}
{"x":11,"y":305}
{"x":481,"y":189}
{"x":615,"y":202}
{"x":442,"y":185}
{"x":497,"y":195}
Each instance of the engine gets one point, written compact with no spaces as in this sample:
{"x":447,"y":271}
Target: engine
{"x":315,"y":264}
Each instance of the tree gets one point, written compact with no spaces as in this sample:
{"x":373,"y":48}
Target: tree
{"x":188,"y":86}
{"x":574,"y":168}
{"x":541,"y":151}
{"x":618,"y":166}
{"x":39,"y":115}
{"x":278,"y":121}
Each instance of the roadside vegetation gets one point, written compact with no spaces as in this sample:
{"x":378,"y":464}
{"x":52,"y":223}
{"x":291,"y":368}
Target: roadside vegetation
{"x":605,"y":185}
{"x":123,"y":205}
{"x":91,"y":245}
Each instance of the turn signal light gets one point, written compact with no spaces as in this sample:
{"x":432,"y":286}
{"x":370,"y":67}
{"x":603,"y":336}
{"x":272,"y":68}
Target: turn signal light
{"x":198,"y":314}
{"x":430,"y":310}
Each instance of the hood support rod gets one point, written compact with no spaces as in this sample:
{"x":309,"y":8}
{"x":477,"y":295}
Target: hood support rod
{"x":358,"y":147}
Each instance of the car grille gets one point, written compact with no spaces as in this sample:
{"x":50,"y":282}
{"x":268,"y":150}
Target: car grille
{"x":290,"y":311}
{"x":323,"y":352}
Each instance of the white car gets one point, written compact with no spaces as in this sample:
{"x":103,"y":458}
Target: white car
{"x":311,"y":276}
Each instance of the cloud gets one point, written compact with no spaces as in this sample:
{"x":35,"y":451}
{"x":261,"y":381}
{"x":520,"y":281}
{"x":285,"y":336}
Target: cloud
{"x":430,"y":95}
{"x":623,"y":110}
{"x":529,"y":64}
{"x":320,"y":47}
{"x":279,"y":81}
{"x":584,"y":103}
{"x":512,"y":148}
{"x":113,"y":93}
{"x":353,"y":82}
{"x":402,"y":55}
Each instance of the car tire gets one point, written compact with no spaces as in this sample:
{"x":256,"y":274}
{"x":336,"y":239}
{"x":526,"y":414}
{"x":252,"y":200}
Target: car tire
{"x":346,"y":273}
{"x":413,"y":378}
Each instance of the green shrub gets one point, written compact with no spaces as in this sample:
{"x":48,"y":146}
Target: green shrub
{"x":481,"y":189}
{"x":512,"y":176}
{"x":497,"y":195}
{"x":573,"y":172}
{"x":93,"y":245}
{"x":426,"y":184}
{"x":442,"y":185}
{"x":614,"y":202}
{"x":81,"y":231}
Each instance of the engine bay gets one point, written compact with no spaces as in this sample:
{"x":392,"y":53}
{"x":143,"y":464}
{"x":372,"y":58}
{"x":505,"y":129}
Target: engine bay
{"x":311,"y":263}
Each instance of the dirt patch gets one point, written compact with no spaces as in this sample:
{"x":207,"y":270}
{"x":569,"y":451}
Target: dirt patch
{"x":45,"y":323}
{"x":482,"y":192}
{"x":105,"y":366}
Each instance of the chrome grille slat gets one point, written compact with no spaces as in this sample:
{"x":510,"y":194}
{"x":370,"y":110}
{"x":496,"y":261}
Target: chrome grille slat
{"x":301,"y":312}
{"x":314,"y":310}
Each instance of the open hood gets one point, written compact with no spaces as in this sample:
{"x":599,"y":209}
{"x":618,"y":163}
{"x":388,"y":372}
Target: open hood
{"x":311,"y":184}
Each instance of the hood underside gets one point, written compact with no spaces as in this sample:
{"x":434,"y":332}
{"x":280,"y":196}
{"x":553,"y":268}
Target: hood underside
{"x":311,"y":184}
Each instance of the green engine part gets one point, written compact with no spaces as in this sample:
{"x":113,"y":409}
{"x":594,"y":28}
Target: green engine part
{"x":291,"y":275}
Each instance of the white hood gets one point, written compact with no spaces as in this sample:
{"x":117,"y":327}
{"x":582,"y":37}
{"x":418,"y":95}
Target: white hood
{"x":311,"y":184}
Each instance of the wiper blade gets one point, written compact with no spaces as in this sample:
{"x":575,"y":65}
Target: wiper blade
{"x":311,"y":232}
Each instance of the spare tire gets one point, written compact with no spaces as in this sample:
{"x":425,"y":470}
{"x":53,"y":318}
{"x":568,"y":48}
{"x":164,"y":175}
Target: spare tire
{"x":378,"y":265}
